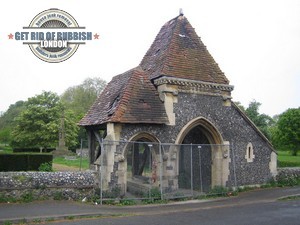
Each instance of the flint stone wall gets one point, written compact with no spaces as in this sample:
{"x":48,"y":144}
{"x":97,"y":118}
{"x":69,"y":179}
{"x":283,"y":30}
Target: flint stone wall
{"x":288,"y":172}
{"x":67,"y":185}
{"x":232,"y":126}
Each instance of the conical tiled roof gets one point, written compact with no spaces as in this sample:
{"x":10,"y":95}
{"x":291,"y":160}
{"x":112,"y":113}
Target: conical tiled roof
{"x":129,"y":98}
{"x":177,"y":51}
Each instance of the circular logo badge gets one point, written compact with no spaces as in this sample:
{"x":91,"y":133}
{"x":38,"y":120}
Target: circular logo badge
{"x":53,"y":48}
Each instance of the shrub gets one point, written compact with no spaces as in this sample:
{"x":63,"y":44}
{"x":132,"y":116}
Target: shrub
{"x":218,"y":191}
{"x":288,"y":181}
{"x":288,"y":164}
{"x":127,"y":202}
{"x":59,"y":196}
{"x":27,"y":197}
{"x":153,"y":196}
{"x":46,"y":167}
{"x":114,"y":193}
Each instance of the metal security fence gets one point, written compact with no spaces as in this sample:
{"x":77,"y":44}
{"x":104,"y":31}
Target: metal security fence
{"x":148,"y":171}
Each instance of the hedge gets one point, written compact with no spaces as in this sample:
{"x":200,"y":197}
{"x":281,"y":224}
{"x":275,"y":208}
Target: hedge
{"x":288,"y":164}
{"x":23,"y":162}
{"x":15,"y":150}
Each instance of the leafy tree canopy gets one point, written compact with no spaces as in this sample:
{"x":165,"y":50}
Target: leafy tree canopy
{"x":38,"y":124}
{"x":80,"y":98}
{"x":7,"y":118}
{"x":286,"y":133}
{"x":5,"y":136}
{"x":262,"y":121}
{"x":7,"y":121}
{"x":47,"y":108}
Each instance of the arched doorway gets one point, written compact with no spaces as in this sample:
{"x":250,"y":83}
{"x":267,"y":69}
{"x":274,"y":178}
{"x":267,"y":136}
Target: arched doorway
{"x":197,"y":165}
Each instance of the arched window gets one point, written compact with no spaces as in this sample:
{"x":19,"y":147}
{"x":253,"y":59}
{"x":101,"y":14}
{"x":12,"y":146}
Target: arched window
{"x":249,"y":153}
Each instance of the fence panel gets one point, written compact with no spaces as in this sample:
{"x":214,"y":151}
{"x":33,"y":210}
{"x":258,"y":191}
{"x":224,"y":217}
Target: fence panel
{"x":150,"y":171}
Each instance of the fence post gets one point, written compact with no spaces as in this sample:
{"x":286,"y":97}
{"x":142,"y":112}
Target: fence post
{"x":150,"y":168}
{"x":100,"y":172}
{"x":160,"y":172}
{"x":80,"y":154}
{"x":192,"y":185}
{"x":233,"y":161}
{"x":200,"y":169}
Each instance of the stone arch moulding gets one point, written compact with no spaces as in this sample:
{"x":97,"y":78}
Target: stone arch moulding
{"x":219,"y":147}
{"x":138,"y":136}
{"x":210,"y":131}
{"x":144,"y":135}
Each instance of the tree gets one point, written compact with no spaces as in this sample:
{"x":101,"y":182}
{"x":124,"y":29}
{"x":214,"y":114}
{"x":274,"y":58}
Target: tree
{"x":262,"y":121}
{"x":80,"y":98}
{"x":7,"y":121}
{"x":8,"y":117}
{"x":38,"y":124}
{"x":5,"y":137}
{"x":286,"y":133}
{"x":71,"y":129}
{"x":239,"y":104}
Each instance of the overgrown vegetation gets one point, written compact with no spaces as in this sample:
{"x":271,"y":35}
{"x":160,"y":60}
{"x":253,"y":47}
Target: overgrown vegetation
{"x":58,"y":195}
{"x":5,"y":199}
{"x":27,"y":197}
{"x":289,"y":181}
{"x":153,"y":196}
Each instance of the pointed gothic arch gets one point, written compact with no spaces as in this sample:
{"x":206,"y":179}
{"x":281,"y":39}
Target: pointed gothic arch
{"x":203,"y":161}
{"x":208,"y":129}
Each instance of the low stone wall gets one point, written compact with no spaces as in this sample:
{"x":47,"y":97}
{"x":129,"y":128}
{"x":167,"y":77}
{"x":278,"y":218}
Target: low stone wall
{"x":293,"y":172}
{"x":68,"y":185}
{"x":48,"y":185}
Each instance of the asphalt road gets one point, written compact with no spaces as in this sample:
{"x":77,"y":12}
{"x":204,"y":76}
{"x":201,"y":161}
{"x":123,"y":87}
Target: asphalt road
{"x":254,"y":213}
{"x":258,"y":207}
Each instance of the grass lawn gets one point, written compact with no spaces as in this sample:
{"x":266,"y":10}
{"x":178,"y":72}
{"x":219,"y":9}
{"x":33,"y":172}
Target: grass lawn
{"x":72,"y":162}
{"x":285,"y":159}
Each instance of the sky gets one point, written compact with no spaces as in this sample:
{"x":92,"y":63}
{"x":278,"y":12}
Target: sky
{"x":255,"y":42}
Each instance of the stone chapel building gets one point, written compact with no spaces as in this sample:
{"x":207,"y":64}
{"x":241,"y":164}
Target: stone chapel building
{"x":177,"y":95}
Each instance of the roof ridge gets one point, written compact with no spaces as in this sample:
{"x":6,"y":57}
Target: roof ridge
{"x":145,"y":58}
{"x":178,"y":51}
{"x":171,"y":38}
